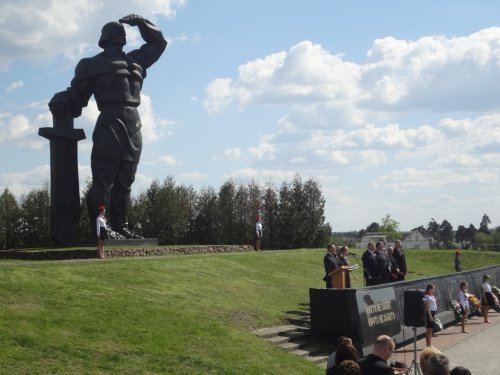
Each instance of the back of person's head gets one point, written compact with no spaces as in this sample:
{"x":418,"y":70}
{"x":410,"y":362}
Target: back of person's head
{"x":384,"y":347}
{"x":382,"y":341}
{"x":348,"y":367}
{"x":438,"y":364}
{"x":424,"y":357}
{"x":344,"y":352}
{"x":459,"y":370}
{"x":344,"y":340}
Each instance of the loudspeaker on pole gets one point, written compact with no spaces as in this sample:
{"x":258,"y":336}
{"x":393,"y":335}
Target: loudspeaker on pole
{"x":414,"y":308}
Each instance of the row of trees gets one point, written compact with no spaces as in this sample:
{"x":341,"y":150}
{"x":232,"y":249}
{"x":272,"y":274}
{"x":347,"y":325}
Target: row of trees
{"x":293,"y":215}
{"x":444,"y":235}
{"x":25,"y":223}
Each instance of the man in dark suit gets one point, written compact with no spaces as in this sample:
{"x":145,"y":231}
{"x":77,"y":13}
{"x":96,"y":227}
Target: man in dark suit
{"x":331,"y":263}
{"x":399,"y":254}
{"x":370,"y":265}
{"x":383,"y":270}
{"x":376,"y":363}
{"x":395,"y":274}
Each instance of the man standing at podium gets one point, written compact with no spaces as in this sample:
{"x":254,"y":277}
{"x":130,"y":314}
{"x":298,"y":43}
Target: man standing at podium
{"x":331,"y":263}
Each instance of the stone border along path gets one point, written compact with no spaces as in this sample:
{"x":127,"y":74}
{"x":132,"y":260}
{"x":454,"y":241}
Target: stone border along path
{"x":55,"y":254}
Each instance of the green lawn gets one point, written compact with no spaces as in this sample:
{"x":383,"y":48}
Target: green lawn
{"x":169,"y":315}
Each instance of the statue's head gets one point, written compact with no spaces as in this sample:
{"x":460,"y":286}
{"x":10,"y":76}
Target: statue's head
{"x":114,"y":33}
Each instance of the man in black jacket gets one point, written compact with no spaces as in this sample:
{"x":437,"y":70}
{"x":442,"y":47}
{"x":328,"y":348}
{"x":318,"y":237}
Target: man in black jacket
{"x":383,"y":270}
{"x":399,"y":254}
{"x":369,"y":260}
{"x":376,"y":363}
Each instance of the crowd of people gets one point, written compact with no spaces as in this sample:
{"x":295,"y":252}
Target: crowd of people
{"x":383,"y":264}
{"x":346,"y":360}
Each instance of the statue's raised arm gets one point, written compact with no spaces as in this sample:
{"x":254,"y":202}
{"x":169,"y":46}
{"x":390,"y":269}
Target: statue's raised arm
{"x":150,"y":52}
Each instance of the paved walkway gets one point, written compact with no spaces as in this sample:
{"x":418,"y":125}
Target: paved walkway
{"x":478,"y":350}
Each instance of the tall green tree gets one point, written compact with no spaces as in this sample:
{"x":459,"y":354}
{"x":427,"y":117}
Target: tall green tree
{"x":286,"y":229}
{"x":483,"y":226}
{"x":270,"y":218}
{"x":373,"y":228}
{"x":255,"y":206}
{"x":390,"y":227}
{"x":206,"y":217}
{"x":433,"y":231}
{"x":243,"y":223}
{"x":85,"y":229}
{"x":461,"y":235}
{"x":445,"y":233}
{"x":166,"y":211}
{"x":301,"y":214}
{"x":317,"y":233}
{"x":471,"y":234}
{"x":483,"y":241}
{"x":10,"y":222}
{"x":226,"y":214}
{"x":35,"y":218}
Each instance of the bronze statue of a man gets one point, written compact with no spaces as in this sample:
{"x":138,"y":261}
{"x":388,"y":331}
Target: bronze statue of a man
{"x":115,"y":79}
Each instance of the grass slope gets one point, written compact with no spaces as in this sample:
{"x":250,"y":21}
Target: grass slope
{"x":169,"y":315}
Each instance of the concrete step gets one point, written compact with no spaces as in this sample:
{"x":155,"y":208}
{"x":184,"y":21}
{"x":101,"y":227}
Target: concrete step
{"x":319,"y":359}
{"x":293,"y":345}
{"x":305,"y":351}
{"x":296,"y":338}
{"x":303,"y":321}
{"x":277,"y":339}
{"x":288,"y":346}
{"x":298,"y":334}
{"x":278,"y":330}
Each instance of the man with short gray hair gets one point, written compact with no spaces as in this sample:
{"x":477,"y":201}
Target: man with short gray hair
{"x":376,"y":363}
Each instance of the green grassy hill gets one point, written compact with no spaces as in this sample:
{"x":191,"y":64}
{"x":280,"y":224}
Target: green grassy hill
{"x":169,"y":315}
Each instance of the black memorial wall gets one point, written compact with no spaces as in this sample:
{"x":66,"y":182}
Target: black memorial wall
{"x":367,"y":312}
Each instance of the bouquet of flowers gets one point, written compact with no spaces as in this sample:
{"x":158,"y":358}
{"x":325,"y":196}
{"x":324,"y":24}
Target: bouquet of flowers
{"x":474,"y":304}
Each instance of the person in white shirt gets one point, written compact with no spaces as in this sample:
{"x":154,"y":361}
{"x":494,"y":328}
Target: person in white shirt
{"x":430,"y":312}
{"x":464,"y":303}
{"x":101,"y":231}
{"x":487,"y":297}
{"x":258,"y":233}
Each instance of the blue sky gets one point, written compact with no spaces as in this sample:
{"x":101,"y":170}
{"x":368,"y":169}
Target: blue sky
{"x":392,"y":106}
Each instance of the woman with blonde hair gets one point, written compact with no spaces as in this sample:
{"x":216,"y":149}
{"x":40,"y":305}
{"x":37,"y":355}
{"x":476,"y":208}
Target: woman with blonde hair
{"x":424,"y":358}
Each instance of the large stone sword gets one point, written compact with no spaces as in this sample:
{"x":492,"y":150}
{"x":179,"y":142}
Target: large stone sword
{"x":64,"y":184}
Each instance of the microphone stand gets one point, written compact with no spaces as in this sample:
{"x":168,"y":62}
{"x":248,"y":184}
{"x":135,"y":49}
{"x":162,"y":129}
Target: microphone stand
{"x":362,"y":266}
{"x":349,"y":268}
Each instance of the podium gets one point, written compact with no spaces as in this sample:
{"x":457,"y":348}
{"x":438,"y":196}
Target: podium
{"x":338,"y":277}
